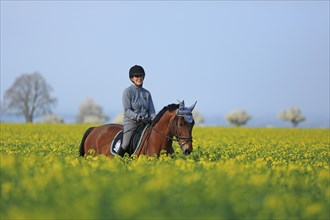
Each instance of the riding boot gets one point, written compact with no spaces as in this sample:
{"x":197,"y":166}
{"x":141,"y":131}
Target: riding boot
{"x":121,"y":151}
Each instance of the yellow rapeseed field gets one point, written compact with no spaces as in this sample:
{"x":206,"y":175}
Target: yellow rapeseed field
{"x":233,"y":173}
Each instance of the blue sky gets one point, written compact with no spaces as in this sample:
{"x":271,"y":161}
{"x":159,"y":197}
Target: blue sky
{"x":261,"y":56}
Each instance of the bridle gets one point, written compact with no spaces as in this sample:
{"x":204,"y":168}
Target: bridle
{"x":186,"y":139}
{"x":177,"y":137}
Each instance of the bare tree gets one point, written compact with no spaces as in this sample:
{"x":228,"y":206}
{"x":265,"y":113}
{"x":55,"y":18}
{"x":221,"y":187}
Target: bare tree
{"x":292,"y":115}
{"x":90,"y":113}
{"x":238,"y":117}
{"x":29,"y":96}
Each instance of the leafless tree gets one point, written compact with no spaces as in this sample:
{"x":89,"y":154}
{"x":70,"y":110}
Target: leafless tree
{"x":29,"y":96}
{"x":90,"y":113}
{"x":238,"y":117}
{"x":292,"y":115}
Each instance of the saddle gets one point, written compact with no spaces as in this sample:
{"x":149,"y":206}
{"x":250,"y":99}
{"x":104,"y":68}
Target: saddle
{"x":135,"y":141}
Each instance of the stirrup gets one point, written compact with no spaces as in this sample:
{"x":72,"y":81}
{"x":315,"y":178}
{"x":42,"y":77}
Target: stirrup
{"x":121,"y":151}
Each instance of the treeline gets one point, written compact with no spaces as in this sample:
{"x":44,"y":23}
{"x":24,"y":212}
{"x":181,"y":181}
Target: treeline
{"x":30,"y":96}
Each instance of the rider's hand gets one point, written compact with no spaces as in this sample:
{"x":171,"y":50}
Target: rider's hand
{"x":149,"y":119}
{"x":139,"y":118}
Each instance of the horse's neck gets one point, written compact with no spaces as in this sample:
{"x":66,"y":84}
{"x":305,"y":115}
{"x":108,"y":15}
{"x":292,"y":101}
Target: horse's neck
{"x":165,"y":124}
{"x":161,"y":136}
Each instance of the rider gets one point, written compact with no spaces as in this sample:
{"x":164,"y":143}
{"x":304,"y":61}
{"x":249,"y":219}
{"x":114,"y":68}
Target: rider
{"x":138,"y":106}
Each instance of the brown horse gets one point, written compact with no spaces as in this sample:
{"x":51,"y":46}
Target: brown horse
{"x":174,"y":120}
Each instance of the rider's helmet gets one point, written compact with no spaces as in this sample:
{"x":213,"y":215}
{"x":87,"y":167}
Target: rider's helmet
{"x":136,"y":70}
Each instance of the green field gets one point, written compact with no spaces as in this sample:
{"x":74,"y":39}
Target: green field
{"x":233,"y":173}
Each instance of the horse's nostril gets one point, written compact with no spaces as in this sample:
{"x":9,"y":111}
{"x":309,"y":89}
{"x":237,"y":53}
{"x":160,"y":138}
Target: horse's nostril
{"x":187,"y":151}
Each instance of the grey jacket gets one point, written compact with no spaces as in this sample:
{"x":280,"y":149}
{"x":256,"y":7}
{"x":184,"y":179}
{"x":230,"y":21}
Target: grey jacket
{"x":137,"y":100}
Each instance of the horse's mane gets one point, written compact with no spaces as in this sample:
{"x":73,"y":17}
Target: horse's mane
{"x":170,"y":107}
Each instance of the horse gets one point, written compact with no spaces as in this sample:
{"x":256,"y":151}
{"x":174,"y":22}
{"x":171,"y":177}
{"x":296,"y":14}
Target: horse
{"x":174,"y":122}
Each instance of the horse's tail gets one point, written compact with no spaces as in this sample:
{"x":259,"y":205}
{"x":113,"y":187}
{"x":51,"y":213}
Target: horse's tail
{"x":82,"y":144}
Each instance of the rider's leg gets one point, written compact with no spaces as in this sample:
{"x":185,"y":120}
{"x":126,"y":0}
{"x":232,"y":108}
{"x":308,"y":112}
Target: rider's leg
{"x":128,"y":132}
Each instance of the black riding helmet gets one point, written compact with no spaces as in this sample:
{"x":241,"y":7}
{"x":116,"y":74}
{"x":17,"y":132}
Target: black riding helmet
{"x":136,"y":70}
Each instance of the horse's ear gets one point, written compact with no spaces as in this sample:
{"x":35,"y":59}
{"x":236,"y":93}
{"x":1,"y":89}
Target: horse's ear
{"x":181,"y":104}
{"x":191,"y":108}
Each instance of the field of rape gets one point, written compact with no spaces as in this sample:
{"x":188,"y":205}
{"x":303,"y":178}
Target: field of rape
{"x":233,"y":173}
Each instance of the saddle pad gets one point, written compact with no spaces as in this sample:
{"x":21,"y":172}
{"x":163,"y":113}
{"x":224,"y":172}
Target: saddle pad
{"x":116,"y":142}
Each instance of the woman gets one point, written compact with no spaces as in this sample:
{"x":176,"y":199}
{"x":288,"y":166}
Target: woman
{"x":138,"y":106}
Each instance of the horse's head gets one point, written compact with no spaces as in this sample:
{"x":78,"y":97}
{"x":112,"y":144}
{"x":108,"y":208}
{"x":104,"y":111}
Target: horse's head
{"x":184,"y":123}
{"x":175,"y":120}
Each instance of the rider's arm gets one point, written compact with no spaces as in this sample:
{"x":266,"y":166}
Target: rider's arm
{"x":128,"y":112}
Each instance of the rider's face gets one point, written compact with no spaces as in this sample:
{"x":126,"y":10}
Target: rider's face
{"x":138,"y":80}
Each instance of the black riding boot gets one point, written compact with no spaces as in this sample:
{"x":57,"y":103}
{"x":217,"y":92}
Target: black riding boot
{"x":121,"y":151}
